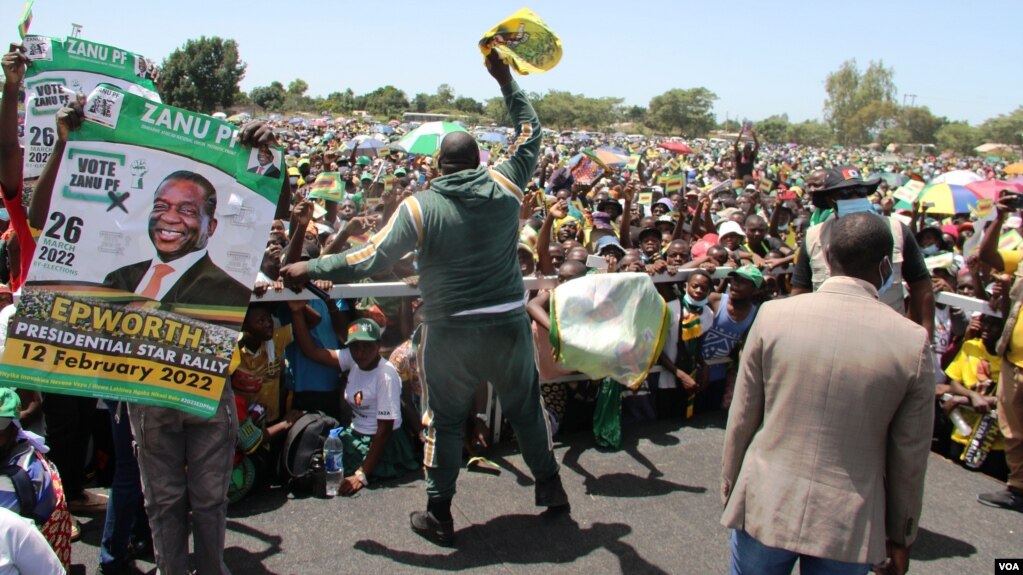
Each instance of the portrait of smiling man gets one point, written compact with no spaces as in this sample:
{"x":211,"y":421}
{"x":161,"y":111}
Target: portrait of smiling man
{"x":265,"y":165}
{"x":181,"y":222}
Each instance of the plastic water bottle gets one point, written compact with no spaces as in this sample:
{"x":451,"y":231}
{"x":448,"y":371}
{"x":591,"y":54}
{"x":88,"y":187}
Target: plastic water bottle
{"x":333,"y":451}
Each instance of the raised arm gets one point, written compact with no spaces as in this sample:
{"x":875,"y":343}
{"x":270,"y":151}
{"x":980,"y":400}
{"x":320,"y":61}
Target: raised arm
{"x":305,"y":341}
{"x":525,"y":150}
{"x":14,"y":63}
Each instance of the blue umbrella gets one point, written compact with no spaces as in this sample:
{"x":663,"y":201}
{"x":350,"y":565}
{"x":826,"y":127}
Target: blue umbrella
{"x":583,"y":137}
{"x":276,"y":117}
{"x":296,"y":120}
{"x":494,"y":137}
{"x":382,"y":129}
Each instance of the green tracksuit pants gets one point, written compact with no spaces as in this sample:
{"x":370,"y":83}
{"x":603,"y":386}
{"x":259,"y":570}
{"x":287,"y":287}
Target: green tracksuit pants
{"x":455,"y":356}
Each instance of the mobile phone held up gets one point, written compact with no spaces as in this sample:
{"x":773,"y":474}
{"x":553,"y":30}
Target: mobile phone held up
{"x":1011,"y":200}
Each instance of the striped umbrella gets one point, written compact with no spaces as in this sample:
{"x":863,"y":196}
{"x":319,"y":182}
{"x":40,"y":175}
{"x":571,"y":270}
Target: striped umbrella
{"x":945,"y":199}
{"x":426,"y":139}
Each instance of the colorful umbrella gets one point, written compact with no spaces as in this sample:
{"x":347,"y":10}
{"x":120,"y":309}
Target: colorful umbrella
{"x":677,"y":147}
{"x":607,"y":156}
{"x":945,"y":199}
{"x":494,"y":137}
{"x":1014,"y":169}
{"x":368,"y":146}
{"x":957,"y":178}
{"x":426,"y":138}
{"x":989,"y":189}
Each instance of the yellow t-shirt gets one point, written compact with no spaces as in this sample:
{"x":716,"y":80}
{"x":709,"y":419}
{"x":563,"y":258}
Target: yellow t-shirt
{"x":256,"y":375}
{"x":963,"y":369}
{"x":1011,"y":258}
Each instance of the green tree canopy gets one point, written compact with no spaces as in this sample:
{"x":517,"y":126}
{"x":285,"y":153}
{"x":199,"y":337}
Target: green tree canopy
{"x":202,"y":75}
{"x":686,"y":112}
{"x":1004,"y":129}
{"x":774,"y":129}
{"x":387,"y":101}
{"x":959,"y":137}
{"x":811,"y":133}
{"x":269,"y":97}
{"x":860,"y":105}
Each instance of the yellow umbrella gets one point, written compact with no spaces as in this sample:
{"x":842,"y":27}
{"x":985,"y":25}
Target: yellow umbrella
{"x":1014,"y":169}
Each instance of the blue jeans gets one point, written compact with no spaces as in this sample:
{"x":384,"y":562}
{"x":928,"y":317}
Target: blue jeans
{"x":126,"y":513}
{"x":751,"y":557}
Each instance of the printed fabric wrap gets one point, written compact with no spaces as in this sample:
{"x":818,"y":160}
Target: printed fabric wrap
{"x":609,"y":325}
{"x":526,"y":44}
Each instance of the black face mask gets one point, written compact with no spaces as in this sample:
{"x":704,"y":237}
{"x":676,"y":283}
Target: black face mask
{"x":820,"y":201}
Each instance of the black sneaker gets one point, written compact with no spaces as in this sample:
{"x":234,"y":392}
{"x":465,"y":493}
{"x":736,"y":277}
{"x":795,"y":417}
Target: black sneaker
{"x":432,"y":529}
{"x":1009,"y":498}
{"x":550,"y":493}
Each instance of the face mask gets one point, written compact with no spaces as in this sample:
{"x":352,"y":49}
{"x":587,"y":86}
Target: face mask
{"x":694,"y":303}
{"x":783,"y":227}
{"x":930,"y":250}
{"x":846,"y":207}
{"x":886,"y":279}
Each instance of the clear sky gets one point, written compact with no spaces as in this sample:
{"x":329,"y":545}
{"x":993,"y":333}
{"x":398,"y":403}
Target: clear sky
{"x":961,"y":59}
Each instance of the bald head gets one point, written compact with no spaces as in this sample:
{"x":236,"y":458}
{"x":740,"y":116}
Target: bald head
{"x":458,"y":151}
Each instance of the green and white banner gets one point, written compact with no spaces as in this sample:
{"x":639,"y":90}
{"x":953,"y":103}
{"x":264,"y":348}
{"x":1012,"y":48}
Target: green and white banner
{"x":59,"y":70}
{"x":142,"y":274}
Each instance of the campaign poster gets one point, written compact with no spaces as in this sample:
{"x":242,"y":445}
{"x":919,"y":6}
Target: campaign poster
{"x":59,"y":70}
{"x":143,"y":271}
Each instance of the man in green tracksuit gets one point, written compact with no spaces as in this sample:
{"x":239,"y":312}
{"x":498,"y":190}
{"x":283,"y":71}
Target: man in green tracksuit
{"x":465,"y":230}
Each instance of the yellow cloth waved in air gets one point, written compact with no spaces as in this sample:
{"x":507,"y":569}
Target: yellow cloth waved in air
{"x":524,"y":42}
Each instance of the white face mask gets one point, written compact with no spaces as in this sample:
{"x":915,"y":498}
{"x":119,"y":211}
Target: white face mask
{"x":886,"y":279}
{"x":693,"y":302}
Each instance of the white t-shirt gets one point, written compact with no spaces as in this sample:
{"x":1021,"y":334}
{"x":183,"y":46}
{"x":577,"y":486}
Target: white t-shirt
{"x":23,"y":549}
{"x":372,"y":395}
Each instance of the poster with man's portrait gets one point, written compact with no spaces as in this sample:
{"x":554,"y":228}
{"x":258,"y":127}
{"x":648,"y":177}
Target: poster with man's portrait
{"x":144,"y":269}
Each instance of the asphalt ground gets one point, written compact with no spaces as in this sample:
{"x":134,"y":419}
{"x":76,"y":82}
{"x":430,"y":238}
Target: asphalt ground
{"x":651,"y":507}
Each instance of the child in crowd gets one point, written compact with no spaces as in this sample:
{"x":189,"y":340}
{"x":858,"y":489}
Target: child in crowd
{"x":372,"y":451}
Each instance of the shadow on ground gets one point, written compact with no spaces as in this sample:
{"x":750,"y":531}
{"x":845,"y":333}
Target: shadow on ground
{"x":527,"y":547}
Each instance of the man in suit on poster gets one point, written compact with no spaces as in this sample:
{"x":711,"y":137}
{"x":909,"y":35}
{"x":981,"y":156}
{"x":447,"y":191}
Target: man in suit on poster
{"x":828,"y":433}
{"x":181,"y":222}
{"x":265,"y":164}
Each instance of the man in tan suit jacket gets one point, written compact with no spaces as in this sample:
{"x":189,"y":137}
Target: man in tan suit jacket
{"x":828,"y":433}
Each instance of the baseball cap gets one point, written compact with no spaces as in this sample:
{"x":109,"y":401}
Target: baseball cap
{"x":363,"y":161}
{"x":649,"y":231}
{"x":750,"y":272}
{"x":841,"y":178}
{"x":730,"y":227}
{"x":366,"y":176}
{"x":10,"y":405}
{"x":400,"y":172}
{"x":363,"y":330}
{"x":665,"y":219}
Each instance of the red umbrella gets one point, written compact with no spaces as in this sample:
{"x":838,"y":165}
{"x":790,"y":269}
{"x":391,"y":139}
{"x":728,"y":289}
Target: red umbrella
{"x":677,"y":147}
{"x":989,"y":189}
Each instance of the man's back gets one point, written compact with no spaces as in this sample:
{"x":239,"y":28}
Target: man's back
{"x":834,"y":395}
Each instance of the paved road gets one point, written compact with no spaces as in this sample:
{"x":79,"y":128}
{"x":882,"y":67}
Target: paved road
{"x":652,"y":507}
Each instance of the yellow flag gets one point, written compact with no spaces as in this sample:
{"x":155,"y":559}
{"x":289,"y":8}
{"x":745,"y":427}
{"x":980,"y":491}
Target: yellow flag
{"x":524,"y":42}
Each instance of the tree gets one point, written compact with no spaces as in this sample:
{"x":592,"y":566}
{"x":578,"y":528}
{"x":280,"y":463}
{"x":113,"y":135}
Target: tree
{"x":298,"y":87}
{"x":959,"y":137}
{"x":340,"y":102}
{"x":387,"y":101}
{"x":920,"y":124}
{"x":773,"y":129}
{"x":421,"y":102}
{"x":811,"y":133}
{"x":688,"y":112}
{"x":1004,"y":129}
{"x":202,"y":75}
{"x":860,"y":106}
{"x":468,"y":105}
{"x":730,"y":125}
{"x":497,"y":112}
{"x":269,"y":97}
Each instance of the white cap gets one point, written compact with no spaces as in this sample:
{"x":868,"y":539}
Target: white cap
{"x":730,"y":227}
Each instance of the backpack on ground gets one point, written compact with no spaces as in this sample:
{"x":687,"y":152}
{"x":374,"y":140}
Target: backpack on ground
{"x":303,"y":447}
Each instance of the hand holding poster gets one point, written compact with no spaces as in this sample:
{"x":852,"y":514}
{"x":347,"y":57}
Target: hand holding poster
{"x":61,"y":68}
{"x":142,"y":273}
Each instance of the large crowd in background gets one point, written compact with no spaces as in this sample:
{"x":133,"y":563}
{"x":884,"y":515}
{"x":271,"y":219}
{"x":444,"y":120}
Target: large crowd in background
{"x":720,"y":225}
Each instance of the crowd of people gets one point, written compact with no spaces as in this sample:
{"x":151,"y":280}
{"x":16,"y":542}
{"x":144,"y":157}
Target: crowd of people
{"x":721,"y":227}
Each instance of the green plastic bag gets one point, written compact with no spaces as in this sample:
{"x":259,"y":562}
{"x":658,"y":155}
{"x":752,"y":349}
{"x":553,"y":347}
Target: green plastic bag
{"x":607,"y":416}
